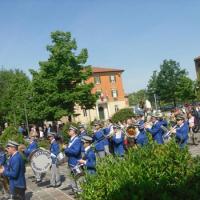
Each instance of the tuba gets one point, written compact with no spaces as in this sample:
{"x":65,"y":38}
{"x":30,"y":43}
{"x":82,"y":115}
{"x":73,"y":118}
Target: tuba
{"x":131,"y":131}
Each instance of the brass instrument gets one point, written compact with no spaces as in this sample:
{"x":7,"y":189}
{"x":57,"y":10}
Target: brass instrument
{"x":131,"y":131}
{"x":168,"y":133}
{"x":5,"y":182}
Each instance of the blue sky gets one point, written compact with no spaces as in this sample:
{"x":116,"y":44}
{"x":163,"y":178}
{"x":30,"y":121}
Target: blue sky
{"x":134,"y":35}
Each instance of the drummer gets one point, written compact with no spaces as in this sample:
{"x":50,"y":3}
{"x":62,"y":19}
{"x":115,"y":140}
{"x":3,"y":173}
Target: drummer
{"x":89,"y":160}
{"x":32,"y":147}
{"x":15,"y":171}
{"x":73,"y":152}
{"x":55,"y":150}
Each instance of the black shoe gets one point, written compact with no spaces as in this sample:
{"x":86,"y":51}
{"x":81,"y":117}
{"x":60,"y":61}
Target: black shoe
{"x":49,"y":186}
{"x":69,"y":187}
{"x":71,"y":193}
{"x":58,"y":185}
{"x":39,"y":181}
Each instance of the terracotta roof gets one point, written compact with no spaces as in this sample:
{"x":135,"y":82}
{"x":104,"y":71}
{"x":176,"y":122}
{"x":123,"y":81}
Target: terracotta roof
{"x":197,"y":58}
{"x":100,"y":69}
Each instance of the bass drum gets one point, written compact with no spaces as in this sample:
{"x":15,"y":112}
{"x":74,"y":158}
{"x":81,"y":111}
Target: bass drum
{"x":40,"y":160}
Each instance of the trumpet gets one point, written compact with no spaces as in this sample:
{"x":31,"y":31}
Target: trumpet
{"x":168,"y":133}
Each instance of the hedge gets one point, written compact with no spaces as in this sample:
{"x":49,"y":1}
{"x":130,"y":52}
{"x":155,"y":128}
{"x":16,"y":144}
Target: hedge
{"x":122,"y":115}
{"x":153,"y":172}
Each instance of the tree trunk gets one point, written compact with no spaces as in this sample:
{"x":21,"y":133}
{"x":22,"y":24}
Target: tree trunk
{"x":70,"y":118}
{"x":174,"y":100}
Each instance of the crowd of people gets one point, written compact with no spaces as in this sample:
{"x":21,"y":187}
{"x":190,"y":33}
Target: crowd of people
{"x":84,"y":150}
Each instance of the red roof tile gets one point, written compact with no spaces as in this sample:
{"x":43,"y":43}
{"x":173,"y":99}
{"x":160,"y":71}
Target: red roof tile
{"x":100,"y":69}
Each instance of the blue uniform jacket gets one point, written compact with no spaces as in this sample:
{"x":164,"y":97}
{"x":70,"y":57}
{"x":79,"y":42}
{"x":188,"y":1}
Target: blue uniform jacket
{"x":80,"y":136}
{"x":90,"y":161}
{"x":15,"y":171}
{"x":98,"y":138}
{"x":31,"y":147}
{"x":142,"y":138}
{"x":2,"y":158}
{"x":141,"y":125}
{"x":118,"y":145}
{"x":73,"y":152}
{"x":106,"y":131}
{"x":182,"y":135}
{"x":156,"y":132}
{"x":55,"y":150}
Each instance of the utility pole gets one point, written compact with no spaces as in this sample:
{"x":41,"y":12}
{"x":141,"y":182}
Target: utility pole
{"x":155,"y":102}
{"x":25,"y":111}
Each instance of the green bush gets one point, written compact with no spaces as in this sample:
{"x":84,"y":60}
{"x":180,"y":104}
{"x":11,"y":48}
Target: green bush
{"x":10,"y":133}
{"x":152,"y":172}
{"x":122,"y":115}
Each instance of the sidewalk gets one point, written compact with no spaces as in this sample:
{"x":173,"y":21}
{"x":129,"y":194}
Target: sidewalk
{"x":40,"y":192}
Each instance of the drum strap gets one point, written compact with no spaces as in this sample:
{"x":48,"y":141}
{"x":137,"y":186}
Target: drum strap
{"x":72,"y":142}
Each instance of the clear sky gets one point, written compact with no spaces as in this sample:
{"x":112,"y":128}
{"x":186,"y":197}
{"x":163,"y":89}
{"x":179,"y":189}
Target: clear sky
{"x":134,"y":35}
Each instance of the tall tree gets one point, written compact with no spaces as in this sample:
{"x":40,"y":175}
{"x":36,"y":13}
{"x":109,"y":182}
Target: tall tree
{"x":171,"y":83}
{"x":185,"y":89}
{"x":168,"y":80}
{"x":14,"y":86}
{"x":60,"y":82}
{"x":136,"y":97}
{"x":152,"y":88}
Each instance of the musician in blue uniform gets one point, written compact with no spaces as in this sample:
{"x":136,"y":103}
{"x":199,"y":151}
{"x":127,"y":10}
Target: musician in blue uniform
{"x":140,"y":120}
{"x":118,"y":140}
{"x":73,"y":152}
{"x":141,"y":138}
{"x":31,"y":147}
{"x":2,"y":163}
{"x":15,"y":171}
{"x":89,"y":160}
{"x":181,"y":131}
{"x":98,"y":139}
{"x":82,"y":133}
{"x":55,"y":150}
{"x":156,"y":130}
{"x":2,"y":155}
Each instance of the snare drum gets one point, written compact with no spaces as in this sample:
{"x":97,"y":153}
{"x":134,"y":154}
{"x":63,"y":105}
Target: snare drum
{"x":61,"y":157}
{"x":40,"y":160}
{"x":78,"y":171}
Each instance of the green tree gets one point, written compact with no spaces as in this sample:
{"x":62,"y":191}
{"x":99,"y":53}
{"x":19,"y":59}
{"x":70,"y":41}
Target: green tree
{"x":152,"y":86}
{"x":171,"y":84}
{"x":59,"y":84}
{"x":136,"y":97}
{"x":14,"y":86}
{"x":185,"y":89}
{"x":168,"y":80}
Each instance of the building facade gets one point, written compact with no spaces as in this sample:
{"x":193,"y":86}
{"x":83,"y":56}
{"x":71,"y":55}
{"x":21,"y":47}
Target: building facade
{"x":109,"y":87}
{"x":197,"y":65}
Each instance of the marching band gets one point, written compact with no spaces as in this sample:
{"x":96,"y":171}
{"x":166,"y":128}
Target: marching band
{"x":83,"y":149}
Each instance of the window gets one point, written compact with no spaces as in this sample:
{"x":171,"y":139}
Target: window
{"x":116,"y":108}
{"x":97,"y":80}
{"x":84,"y":113}
{"x":112,"y":79}
{"x":98,"y":92}
{"x":114,"y":93}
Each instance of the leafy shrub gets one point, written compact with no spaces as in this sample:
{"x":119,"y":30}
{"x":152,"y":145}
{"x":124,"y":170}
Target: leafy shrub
{"x":44,"y":143}
{"x":10,"y":133}
{"x":152,"y":172}
{"x":122,"y":115}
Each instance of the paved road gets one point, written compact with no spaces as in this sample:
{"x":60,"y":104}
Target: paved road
{"x":41,"y":192}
